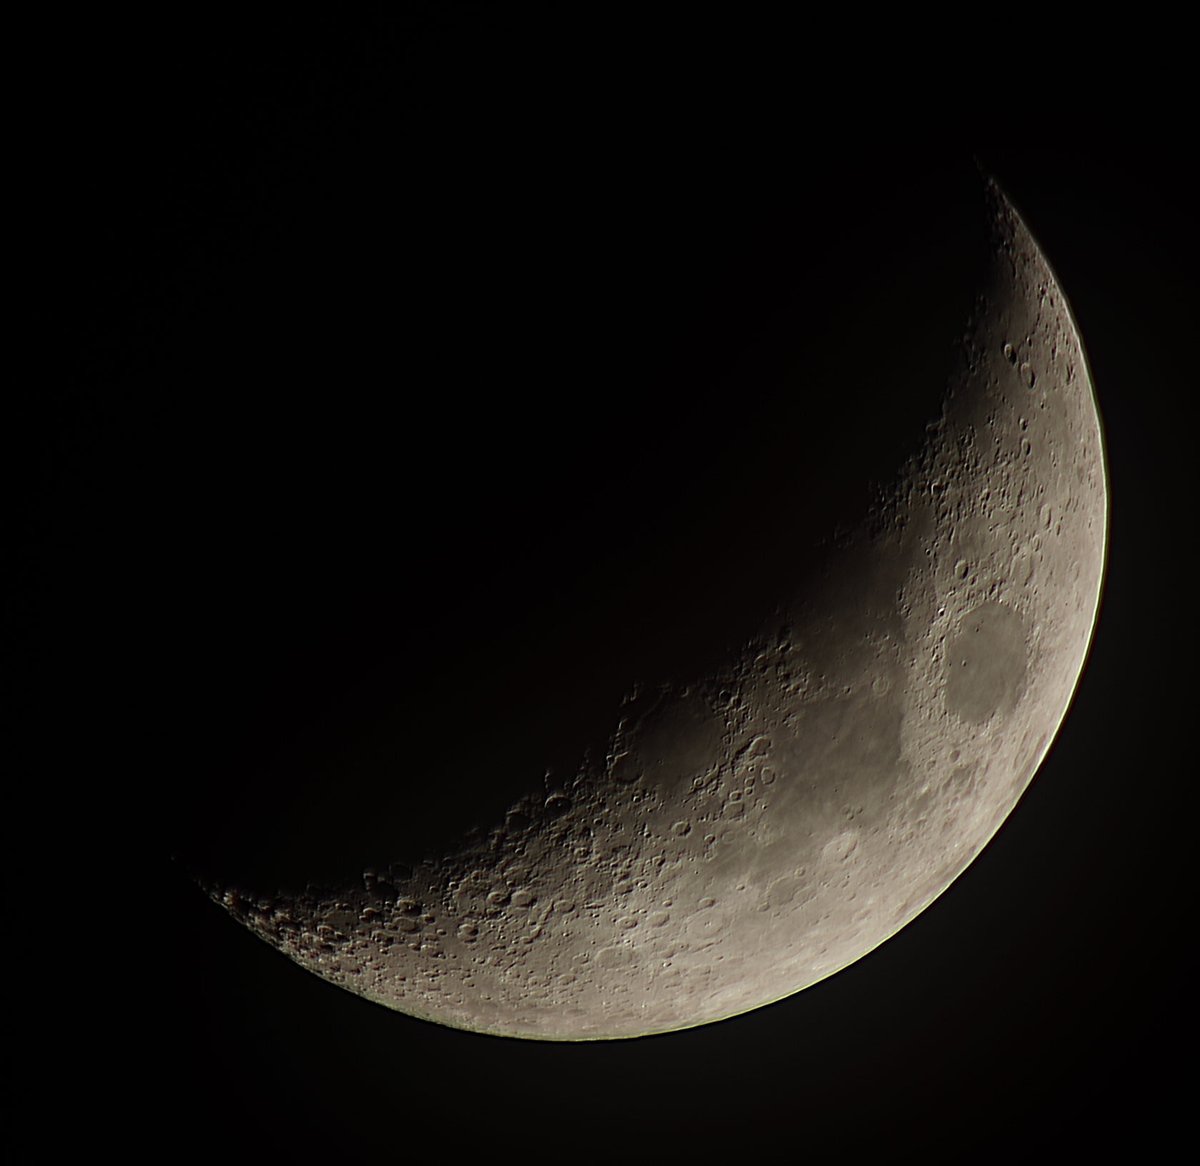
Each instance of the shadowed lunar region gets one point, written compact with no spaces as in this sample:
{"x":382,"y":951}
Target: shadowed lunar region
{"x":743,"y":834}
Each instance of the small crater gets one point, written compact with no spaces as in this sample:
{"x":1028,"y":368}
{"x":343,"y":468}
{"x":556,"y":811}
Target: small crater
{"x":557,"y":805}
{"x":783,"y":890}
{"x":840,"y":848}
{"x":616,"y":956}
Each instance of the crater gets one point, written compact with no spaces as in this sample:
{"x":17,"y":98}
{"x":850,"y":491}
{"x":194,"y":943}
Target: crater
{"x":679,"y":741}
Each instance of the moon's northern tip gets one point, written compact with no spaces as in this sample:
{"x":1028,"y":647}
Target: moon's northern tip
{"x":745,"y":833}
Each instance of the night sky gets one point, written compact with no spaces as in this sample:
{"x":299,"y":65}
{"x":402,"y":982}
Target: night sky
{"x":416,"y":380}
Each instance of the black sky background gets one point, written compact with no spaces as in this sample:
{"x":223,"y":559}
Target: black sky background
{"x":457,"y":364}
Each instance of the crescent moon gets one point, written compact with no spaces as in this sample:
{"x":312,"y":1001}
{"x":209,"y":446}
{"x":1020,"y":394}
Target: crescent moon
{"x":748,"y":834}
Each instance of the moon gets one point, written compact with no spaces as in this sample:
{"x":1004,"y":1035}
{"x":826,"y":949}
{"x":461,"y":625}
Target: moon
{"x":744,"y":834}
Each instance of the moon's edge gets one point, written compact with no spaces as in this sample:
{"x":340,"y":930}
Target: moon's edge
{"x":1003,"y":201}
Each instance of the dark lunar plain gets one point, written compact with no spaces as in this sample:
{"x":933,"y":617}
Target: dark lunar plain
{"x":420,"y":382}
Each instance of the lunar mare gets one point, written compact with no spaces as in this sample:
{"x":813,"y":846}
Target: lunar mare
{"x":747,"y":835}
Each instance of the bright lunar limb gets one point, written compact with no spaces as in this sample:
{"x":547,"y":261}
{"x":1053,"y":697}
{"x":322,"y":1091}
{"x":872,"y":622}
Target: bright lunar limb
{"x":746,"y":835}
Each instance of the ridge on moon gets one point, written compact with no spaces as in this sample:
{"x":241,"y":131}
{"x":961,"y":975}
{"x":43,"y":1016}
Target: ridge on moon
{"x":746,"y":833}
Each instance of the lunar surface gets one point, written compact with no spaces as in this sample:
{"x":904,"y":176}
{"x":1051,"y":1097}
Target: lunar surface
{"x":750,"y":832}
